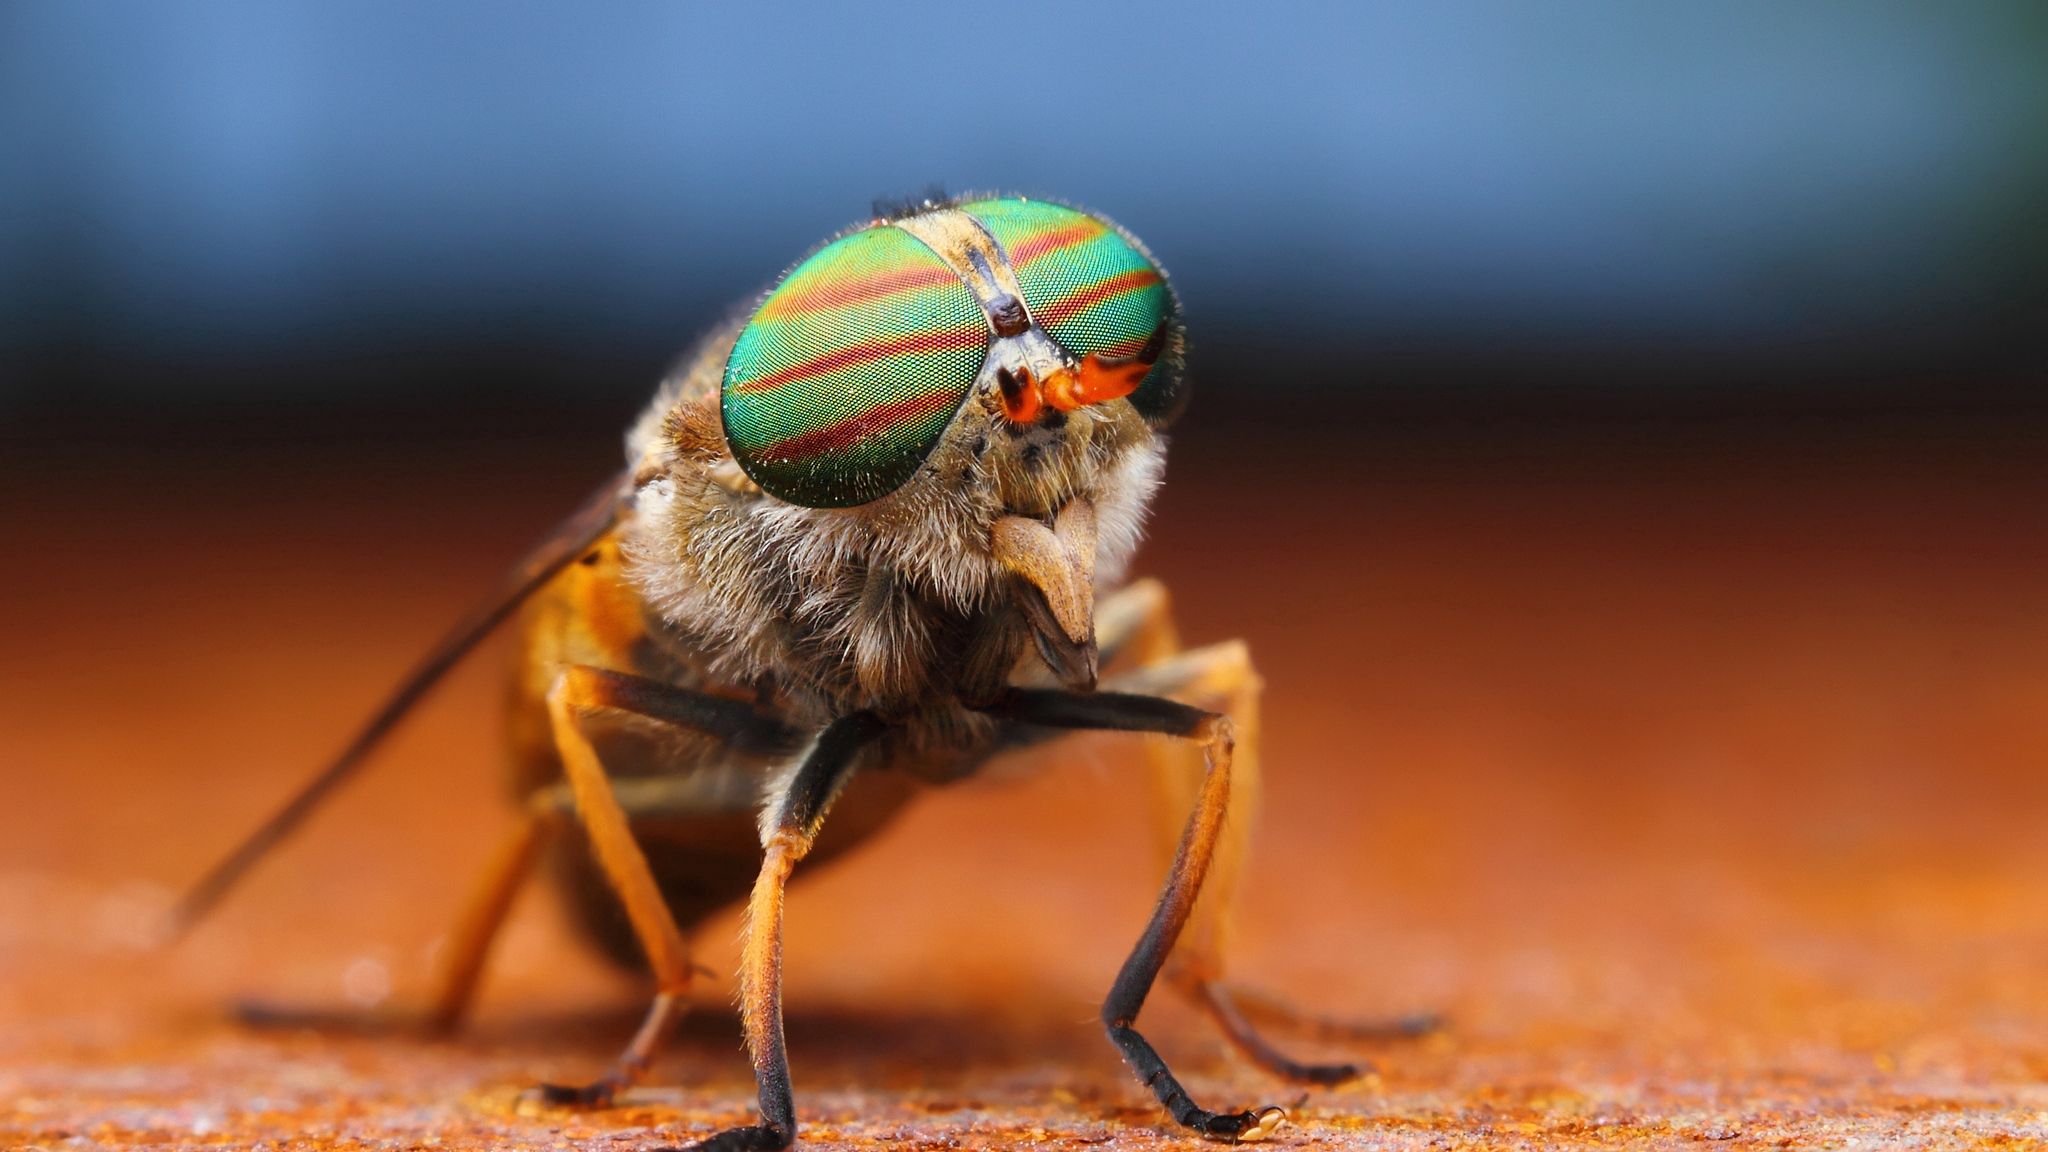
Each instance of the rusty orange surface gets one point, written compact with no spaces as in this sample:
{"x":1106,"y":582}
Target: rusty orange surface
{"x":1702,"y":789}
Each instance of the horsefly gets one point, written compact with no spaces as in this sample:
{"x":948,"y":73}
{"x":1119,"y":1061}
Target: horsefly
{"x":870,"y":534}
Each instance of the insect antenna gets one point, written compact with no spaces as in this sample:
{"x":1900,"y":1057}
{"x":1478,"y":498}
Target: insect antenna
{"x":563,"y":545}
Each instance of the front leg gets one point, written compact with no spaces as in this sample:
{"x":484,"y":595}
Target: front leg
{"x":788,"y":828}
{"x":1116,"y":711}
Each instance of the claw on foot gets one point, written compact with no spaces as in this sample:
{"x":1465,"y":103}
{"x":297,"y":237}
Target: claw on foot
{"x":1247,"y":1127}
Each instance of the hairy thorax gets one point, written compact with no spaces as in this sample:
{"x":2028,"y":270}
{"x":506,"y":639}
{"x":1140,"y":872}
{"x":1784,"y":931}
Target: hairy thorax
{"x":898,"y":605}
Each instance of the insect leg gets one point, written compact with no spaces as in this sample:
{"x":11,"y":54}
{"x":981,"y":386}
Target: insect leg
{"x":787,"y":831}
{"x":570,"y":538}
{"x":1135,"y":621}
{"x":1136,"y":627}
{"x":577,"y":692}
{"x":1223,"y":675}
{"x":1215,"y":734}
{"x":462,"y":963}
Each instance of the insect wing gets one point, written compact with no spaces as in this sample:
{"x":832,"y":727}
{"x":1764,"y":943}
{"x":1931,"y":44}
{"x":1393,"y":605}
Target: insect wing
{"x":569,"y":540}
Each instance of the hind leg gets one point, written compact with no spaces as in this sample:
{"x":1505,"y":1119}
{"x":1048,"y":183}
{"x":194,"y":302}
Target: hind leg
{"x":587,"y":795}
{"x":462,"y":961}
{"x":1136,"y":627}
{"x":1213,"y":733}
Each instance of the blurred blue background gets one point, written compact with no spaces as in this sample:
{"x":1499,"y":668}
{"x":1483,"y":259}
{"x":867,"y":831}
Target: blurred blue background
{"x":243,"y":201}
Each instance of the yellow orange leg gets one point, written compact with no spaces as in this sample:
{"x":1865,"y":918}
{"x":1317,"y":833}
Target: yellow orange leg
{"x":462,"y":963}
{"x":1137,"y":630}
{"x":1222,"y":678}
{"x":788,"y":828}
{"x":578,"y":692}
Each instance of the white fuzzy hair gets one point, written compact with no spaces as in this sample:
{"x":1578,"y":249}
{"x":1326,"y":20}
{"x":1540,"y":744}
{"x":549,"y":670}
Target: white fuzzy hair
{"x":840,"y":605}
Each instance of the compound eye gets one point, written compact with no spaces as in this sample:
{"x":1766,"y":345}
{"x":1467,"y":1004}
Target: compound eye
{"x":848,"y":374}
{"x":1092,"y":288}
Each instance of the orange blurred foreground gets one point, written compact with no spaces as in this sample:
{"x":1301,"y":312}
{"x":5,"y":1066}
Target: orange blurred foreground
{"x":1699,"y":782}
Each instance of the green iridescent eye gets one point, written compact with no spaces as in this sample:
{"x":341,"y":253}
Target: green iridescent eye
{"x":850,"y":371}
{"x":1088,"y":285}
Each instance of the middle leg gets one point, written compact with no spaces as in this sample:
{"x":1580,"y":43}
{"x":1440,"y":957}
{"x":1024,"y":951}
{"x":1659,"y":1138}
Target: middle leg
{"x":788,"y":828}
{"x":1136,"y":624}
{"x":1117,"y":711}
{"x":578,"y":692}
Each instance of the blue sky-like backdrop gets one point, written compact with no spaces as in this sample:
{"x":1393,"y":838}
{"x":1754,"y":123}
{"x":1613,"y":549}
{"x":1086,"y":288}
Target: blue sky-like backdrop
{"x":265,"y":178}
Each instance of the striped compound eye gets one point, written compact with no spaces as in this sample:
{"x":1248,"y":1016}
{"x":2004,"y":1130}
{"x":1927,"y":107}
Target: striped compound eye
{"x":847,"y":376}
{"x":1091,"y":287}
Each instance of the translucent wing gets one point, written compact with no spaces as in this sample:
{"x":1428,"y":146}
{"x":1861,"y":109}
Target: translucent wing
{"x":569,"y":540}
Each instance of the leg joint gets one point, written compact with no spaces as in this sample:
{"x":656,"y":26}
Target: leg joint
{"x":572,"y":686}
{"x":1218,"y":731}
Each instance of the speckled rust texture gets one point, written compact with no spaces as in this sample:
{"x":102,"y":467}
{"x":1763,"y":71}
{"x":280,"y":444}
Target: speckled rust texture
{"x":1702,"y":788}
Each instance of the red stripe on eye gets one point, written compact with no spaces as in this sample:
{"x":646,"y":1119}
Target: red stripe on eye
{"x":854,"y":429}
{"x":867,"y":352}
{"x":1047,"y":242}
{"x":1067,"y":307}
{"x":857,"y":289}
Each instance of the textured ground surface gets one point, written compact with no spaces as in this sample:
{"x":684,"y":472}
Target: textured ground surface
{"x":1702,"y":787}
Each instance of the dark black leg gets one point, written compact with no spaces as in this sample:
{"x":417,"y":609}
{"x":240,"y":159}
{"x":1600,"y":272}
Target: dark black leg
{"x":1136,"y":619}
{"x":791,"y":826}
{"x":1253,"y":1005}
{"x":1115,"y":711}
{"x":631,"y":1065}
{"x":1223,"y":1008}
